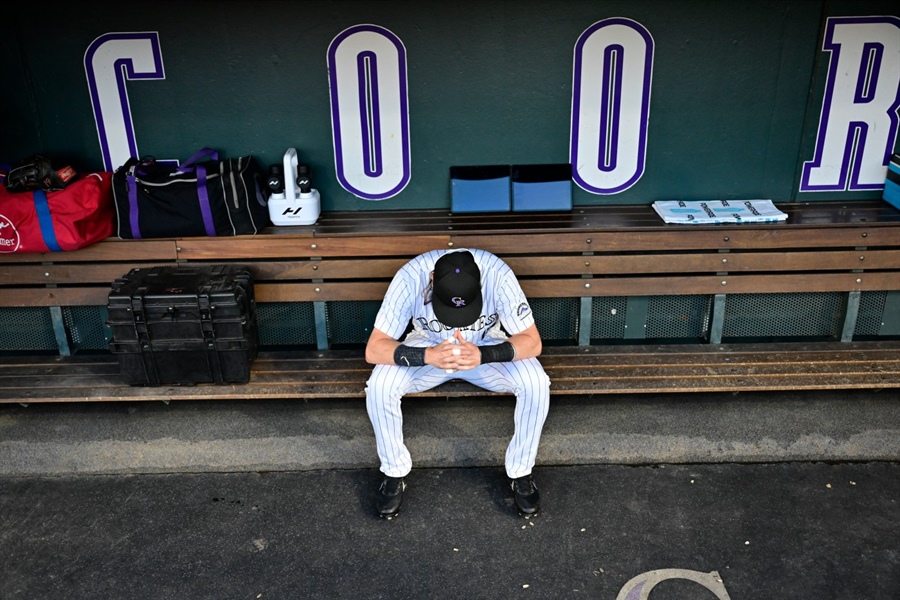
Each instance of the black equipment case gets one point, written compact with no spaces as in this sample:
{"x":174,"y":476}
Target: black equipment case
{"x":184,"y":325}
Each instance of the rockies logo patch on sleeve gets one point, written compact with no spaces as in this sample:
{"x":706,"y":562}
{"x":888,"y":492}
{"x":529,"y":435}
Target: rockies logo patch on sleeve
{"x":523,"y":310}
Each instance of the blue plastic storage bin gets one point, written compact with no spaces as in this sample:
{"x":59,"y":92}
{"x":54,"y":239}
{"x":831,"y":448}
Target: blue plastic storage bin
{"x":479,"y":189}
{"x":541,"y":187}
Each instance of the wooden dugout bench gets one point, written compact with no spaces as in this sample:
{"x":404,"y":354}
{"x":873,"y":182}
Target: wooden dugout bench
{"x":624,"y":302}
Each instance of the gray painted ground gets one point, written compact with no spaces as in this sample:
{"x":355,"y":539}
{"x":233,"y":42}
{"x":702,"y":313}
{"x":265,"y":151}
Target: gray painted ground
{"x":213,"y":436}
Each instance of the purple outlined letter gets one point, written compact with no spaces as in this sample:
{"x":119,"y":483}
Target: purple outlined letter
{"x":613,"y":68}
{"x":369,"y":111}
{"x":858,"y":123}
{"x":108,"y":62}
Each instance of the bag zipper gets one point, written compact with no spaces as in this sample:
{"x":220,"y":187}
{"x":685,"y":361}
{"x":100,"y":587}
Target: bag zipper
{"x":234,"y":189}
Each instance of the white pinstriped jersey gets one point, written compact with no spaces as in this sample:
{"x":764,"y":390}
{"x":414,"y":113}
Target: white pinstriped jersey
{"x":409,"y":299}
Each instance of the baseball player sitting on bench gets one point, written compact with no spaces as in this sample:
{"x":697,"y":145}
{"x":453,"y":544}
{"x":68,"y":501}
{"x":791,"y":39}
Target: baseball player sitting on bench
{"x":456,"y":301}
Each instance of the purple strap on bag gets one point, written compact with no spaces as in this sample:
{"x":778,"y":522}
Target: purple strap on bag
{"x":131,"y":181}
{"x":202,"y":192}
{"x":195,"y":158}
{"x":205,"y":208}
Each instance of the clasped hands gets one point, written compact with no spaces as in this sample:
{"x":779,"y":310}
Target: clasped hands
{"x":454,"y":354}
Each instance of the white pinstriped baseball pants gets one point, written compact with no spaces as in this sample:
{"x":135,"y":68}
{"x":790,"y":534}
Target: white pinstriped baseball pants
{"x":525,"y":379}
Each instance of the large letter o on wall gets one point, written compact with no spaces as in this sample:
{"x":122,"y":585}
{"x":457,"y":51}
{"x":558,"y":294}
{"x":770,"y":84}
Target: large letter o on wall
{"x":613,"y":67}
{"x":369,"y":111}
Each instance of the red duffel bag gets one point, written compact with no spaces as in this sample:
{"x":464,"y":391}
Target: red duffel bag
{"x":79,"y":215}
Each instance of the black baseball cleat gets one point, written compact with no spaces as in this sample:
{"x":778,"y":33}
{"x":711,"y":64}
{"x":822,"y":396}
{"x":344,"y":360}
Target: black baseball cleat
{"x":528,"y":499}
{"x":389,"y":496}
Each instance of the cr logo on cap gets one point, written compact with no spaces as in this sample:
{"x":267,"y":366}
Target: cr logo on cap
{"x":458,"y":301}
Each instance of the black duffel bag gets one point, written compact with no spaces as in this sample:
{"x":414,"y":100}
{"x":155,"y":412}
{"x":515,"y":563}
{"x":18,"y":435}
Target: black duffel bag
{"x":200,"y":197}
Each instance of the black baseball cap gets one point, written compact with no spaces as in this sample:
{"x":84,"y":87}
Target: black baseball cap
{"x":457,"y":297}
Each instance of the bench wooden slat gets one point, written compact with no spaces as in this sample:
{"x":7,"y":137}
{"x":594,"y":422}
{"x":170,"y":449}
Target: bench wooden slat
{"x":70,"y":273}
{"x":45,"y":375}
{"x":599,"y":264}
{"x":663,"y":382}
{"x":606,"y":286}
{"x":552,"y":357}
{"x":432,"y":222}
{"x":109,"y":250}
{"x":676,"y":240}
{"x":311,"y":292}
{"x":681,"y":238}
{"x":709,"y":284}
{"x":73,"y":296}
{"x":301,"y":391}
{"x":608,"y":217}
{"x":363,"y":268}
{"x":839,"y":213}
{"x":281,"y":246}
{"x":871,"y":259}
{"x":368,"y":268}
{"x":571,"y":377}
{"x":534,"y":288}
{"x":573,"y":371}
{"x":751,"y":383}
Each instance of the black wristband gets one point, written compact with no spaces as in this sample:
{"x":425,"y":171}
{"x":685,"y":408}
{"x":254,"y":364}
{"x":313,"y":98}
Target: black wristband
{"x":503,"y":352}
{"x":407,"y":356}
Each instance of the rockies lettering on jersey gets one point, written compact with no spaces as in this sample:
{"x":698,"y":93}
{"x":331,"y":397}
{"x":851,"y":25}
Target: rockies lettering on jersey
{"x":483,"y":322}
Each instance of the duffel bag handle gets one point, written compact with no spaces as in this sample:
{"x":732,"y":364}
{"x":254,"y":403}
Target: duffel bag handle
{"x":197,"y":157}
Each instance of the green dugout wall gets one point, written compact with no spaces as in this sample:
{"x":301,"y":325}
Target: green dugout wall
{"x":736,"y":97}
{"x":737,"y":88}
